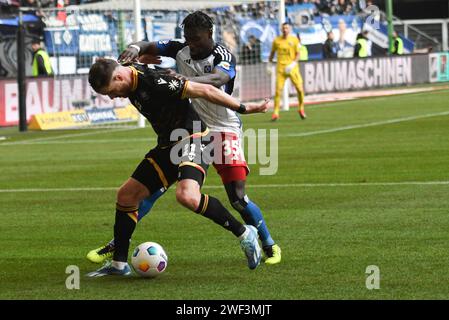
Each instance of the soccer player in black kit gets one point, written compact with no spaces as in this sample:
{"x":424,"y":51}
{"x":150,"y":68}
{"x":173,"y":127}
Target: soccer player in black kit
{"x":200,"y":59}
{"x":163,"y":100}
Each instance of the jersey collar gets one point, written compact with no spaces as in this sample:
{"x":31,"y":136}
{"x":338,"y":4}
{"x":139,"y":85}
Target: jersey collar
{"x":134,"y":78}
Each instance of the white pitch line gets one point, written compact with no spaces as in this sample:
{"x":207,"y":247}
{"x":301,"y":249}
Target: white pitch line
{"x":32,"y":141}
{"x":92,"y":141}
{"x":255,"y":186}
{"x":366,"y":125}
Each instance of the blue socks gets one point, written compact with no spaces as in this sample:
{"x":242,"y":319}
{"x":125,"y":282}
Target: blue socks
{"x":252,"y":215}
{"x":146,"y":205}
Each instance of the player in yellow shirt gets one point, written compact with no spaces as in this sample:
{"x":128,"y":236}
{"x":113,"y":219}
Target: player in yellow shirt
{"x":287,"y":48}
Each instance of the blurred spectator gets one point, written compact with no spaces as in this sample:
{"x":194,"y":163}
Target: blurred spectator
{"x":355,"y":6}
{"x":61,"y":14}
{"x":369,"y":3}
{"x":324,"y":6}
{"x":398,"y":45}
{"x":361,"y":47}
{"x":9,"y":7}
{"x":41,"y":60}
{"x":30,"y":3}
{"x":38,"y":3}
{"x":339,"y":7}
{"x":251,"y":51}
{"x":14,"y":3}
{"x":330,"y":47}
{"x":344,"y":48}
{"x":303,"y":51}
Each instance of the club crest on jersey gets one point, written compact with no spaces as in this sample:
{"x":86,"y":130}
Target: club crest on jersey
{"x":161,"y":81}
{"x":173,"y":85}
{"x":225,"y":65}
{"x":207,"y":68}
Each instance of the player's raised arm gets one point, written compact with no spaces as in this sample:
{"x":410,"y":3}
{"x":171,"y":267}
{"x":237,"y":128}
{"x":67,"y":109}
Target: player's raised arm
{"x":217,"y":78}
{"x":136,"y":49}
{"x":219,"y":97}
{"x":149,"y":52}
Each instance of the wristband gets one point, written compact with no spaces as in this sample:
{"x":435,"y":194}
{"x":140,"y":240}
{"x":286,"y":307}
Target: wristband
{"x":135,"y":47}
{"x":241,"y":109}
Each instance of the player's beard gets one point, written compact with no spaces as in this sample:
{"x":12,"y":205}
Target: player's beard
{"x":200,"y":55}
{"x":203,"y":53}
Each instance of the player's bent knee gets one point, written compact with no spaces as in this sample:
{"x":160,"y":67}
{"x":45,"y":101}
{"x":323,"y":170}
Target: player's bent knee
{"x":130,"y":196}
{"x":189,"y":198}
{"x":125,"y":198}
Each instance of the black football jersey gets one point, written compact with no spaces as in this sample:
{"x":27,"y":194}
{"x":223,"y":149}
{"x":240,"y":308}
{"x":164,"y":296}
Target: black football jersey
{"x":159,"y":97}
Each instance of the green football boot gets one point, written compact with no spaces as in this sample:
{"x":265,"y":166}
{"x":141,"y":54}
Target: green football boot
{"x":272,"y":254}
{"x":101,"y":254}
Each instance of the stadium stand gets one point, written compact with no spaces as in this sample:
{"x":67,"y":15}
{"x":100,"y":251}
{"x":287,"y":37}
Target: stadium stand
{"x":76,"y":32}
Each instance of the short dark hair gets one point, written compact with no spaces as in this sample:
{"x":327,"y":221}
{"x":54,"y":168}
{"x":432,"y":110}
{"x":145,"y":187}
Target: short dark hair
{"x":36,"y":41}
{"x":198,"y":20}
{"x":100,"y":73}
{"x":286,"y":23}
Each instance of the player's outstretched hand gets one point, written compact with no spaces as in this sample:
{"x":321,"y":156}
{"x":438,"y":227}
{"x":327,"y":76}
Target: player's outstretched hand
{"x":150,"y":59}
{"x":129,"y":55}
{"x":261,"y":107}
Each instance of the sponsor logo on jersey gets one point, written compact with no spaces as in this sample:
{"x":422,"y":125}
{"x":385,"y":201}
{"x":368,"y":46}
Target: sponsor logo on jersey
{"x":161,"y":81}
{"x":164,"y":41}
{"x":188,"y":61}
{"x":224,"y":64}
{"x":207,"y":68}
{"x":173,"y":85}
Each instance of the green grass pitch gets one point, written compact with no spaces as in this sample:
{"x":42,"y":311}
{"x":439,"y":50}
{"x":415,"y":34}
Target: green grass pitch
{"x":363,"y":182}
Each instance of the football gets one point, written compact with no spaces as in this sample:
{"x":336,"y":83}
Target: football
{"x":149,"y":259}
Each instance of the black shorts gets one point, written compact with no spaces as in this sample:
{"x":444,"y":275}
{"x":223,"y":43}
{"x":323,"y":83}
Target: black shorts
{"x":187,"y":159}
